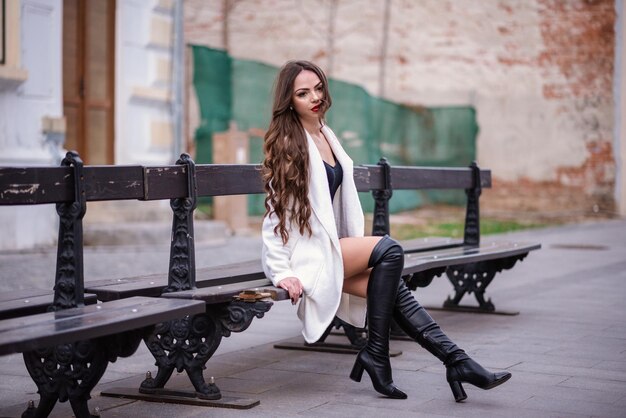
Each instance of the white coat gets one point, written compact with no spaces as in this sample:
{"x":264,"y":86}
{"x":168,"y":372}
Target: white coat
{"x":316,"y":260}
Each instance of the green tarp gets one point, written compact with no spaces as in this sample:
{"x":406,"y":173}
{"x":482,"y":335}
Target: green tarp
{"x":238,"y":91}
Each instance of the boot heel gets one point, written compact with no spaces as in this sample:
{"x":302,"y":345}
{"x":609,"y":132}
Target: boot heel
{"x":458,"y":391}
{"x":357,"y":371}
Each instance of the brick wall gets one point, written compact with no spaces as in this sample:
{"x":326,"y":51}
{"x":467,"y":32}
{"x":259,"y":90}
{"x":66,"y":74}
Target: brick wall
{"x":539,"y":73}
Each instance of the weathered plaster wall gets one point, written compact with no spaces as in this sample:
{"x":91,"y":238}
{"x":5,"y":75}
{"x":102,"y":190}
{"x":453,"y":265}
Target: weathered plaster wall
{"x":539,"y":72}
{"x":25,"y":102}
{"x":143,"y":82}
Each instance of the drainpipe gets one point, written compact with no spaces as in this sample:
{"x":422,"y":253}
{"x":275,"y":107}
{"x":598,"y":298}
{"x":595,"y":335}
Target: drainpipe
{"x":178,"y":80}
{"x":619,"y":98}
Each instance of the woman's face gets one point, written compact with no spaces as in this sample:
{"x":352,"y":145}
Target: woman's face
{"x":308,"y":95}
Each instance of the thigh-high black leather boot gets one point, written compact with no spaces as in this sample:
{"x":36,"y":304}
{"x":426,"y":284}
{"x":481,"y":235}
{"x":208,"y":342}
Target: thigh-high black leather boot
{"x":387,"y":260}
{"x":418,"y":324}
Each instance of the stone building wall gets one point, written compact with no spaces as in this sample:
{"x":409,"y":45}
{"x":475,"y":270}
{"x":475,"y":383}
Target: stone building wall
{"x":538,"y":72}
{"x":31,"y":111}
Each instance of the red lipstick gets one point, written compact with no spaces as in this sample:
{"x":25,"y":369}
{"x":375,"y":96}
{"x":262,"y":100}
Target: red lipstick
{"x":315,"y":108}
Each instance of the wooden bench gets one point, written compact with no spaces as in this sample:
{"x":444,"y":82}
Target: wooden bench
{"x":233,"y":295}
{"x":468,"y":263}
{"x":67,"y":349}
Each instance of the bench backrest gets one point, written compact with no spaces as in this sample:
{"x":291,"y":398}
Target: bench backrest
{"x":72,"y":185}
{"x":44,"y":185}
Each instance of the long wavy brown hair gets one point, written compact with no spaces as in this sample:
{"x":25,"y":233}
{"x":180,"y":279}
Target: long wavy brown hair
{"x":285,"y":168}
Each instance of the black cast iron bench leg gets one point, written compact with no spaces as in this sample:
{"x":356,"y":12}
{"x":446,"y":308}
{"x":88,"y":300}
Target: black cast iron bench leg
{"x":70,"y":371}
{"x":185,"y":345}
{"x":353,"y":333}
{"x":188,"y":343}
{"x":475,"y":278}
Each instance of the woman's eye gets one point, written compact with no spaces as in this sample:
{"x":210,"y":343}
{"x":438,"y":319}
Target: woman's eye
{"x":319,"y":88}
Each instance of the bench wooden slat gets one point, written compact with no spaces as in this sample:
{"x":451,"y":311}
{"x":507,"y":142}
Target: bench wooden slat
{"x":40,"y":185}
{"x":218,"y":294}
{"x":231,"y":273}
{"x":69,"y":325}
{"x":22,"y":293}
{"x":367,"y":178}
{"x":416,"y":262}
{"x":211,"y":180}
{"x":229,"y":179}
{"x":150,"y":286}
{"x":154,"y":284}
{"x":415,"y":178}
{"x":32,"y":185}
{"x":429,"y":243}
{"x":21,"y":303}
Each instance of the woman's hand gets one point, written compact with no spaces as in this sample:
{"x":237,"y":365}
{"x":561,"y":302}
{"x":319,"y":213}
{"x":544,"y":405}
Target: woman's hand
{"x":293,"y":286}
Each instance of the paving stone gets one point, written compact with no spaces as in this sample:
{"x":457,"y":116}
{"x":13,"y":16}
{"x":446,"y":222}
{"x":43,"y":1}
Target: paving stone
{"x":292,"y":400}
{"x":61,"y":410}
{"x":572,"y":406}
{"x":598,"y":384}
{"x":17,"y":383}
{"x":245,"y":357}
{"x":538,"y":378}
{"x":508,"y":355}
{"x":13,"y":365}
{"x":130,"y":382}
{"x":336,"y":409}
{"x":244,"y":386}
{"x":258,"y":355}
{"x":588,"y":352}
{"x":611,"y":365}
{"x":526,"y":345}
{"x":617,"y":330}
{"x":165,"y":410}
{"x":402,"y":363}
{"x":12,"y":399}
{"x":17,"y":390}
{"x":262,"y":373}
{"x":117,"y":375}
{"x":487,"y":407}
{"x":621,"y":403}
{"x":571,"y":371}
{"x":316,"y":362}
{"x":560,"y":391}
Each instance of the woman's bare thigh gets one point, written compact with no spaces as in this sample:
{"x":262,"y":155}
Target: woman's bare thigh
{"x":356,"y":253}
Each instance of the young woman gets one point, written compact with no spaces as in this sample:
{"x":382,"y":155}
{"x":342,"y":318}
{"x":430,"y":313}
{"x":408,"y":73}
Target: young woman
{"x":313,"y":243}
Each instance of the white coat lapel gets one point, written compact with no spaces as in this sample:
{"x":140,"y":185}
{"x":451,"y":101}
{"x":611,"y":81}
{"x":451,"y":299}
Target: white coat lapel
{"x":319,"y":193}
{"x":352,"y":213}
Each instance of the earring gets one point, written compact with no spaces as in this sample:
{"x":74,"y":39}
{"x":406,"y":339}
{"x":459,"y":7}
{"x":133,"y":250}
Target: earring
{"x":290,"y":107}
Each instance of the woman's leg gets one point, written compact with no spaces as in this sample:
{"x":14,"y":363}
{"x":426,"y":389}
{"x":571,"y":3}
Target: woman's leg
{"x":418,"y":324}
{"x":386,"y":259}
{"x":415,"y":321}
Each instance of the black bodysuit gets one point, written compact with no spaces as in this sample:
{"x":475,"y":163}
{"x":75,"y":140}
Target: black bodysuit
{"x":335,"y":176}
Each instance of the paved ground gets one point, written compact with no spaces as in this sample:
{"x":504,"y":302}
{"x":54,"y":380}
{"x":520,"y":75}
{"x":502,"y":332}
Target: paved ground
{"x":566,"y":349}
